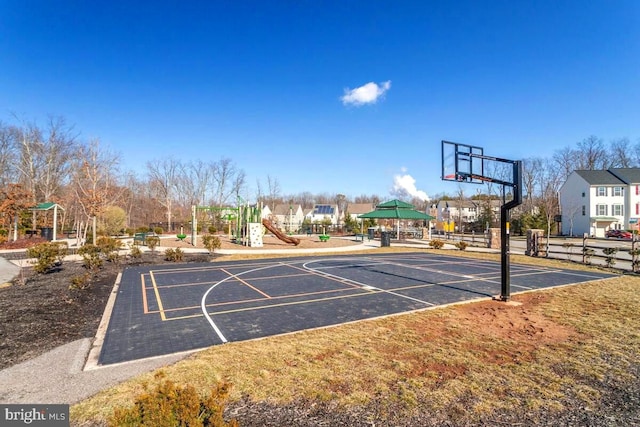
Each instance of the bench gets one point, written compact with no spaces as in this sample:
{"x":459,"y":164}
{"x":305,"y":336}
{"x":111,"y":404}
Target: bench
{"x":361,"y":236}
{"x":323,"y":237}
{"x":141,"y":238}
{"x":31,"y":233}
{"x":68,"y":233}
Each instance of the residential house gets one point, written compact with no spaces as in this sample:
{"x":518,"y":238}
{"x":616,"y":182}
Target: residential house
{"x":356,"y":209}
{"x":287,"y":217}
{"x":594,"y":201}
{"x":321,"y":213}
{"x":463,"y":212}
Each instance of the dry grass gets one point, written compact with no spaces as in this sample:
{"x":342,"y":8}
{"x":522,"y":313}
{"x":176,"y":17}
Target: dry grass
{"x":464,"y":360}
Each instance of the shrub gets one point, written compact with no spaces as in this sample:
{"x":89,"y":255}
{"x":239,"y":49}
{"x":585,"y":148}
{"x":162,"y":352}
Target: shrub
{"x":135,"y":251}
{"x":80,"y":282}
{"x":610,"y":256}
{"x":173,"y":405}
{"x":635,"y":259}
{"x":587,"y":253}
{"x":158,"y":230}
{"x":143,"y":230}
{"x":212,"y":229}
{"x":436,"y":243}
{"x":152,"y":242}
{"x":211,"y":242}
{"x":91,"y":256}
{"x":47,"y":255}
{"x":174,"y":255}
{"x":109,"y":247}
{"x":462,"y":245}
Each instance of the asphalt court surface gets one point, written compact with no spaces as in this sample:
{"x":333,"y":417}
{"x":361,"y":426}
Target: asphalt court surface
{"x":166,"y":309}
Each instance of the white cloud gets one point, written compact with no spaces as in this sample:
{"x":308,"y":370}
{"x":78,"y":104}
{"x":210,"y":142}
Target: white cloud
{"x":366,"y":94}
{"x":406,"y":185}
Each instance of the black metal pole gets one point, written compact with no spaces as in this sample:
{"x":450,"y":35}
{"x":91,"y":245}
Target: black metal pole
{"x":505,"y":288}
{"x":505,"y":210}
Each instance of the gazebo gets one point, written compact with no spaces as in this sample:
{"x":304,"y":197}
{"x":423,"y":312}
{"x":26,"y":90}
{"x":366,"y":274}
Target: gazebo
{"x":46,"y":207}
{"x":397,"y":210}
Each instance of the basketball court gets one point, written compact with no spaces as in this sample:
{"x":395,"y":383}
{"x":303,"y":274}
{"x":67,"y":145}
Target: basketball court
{"x":161,"y":310}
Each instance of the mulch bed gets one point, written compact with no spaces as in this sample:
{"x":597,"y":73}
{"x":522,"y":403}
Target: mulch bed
{"x":40,"y":312}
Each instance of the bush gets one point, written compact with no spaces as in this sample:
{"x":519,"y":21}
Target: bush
{"x":80,"y":282}
{"x":47,"y":255}
{"x":212,"y":229}
{"x":462,"y":245}
{"x":436,"y":244}
{"x":91,"y":256}
{"x":610,"y":256}
{"x":172,"y":405}
{"x":152,"y":242}
{"x":135,"y":251}
{"x":174,"y":255}
{"x":211,"y":242}
{"x":108,"y":245}
{"x":158,"y":230}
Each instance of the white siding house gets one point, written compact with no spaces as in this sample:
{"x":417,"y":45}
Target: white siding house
{"x":287,"y":217}
{"x":321,"y":213}
{"x":594,"y":201}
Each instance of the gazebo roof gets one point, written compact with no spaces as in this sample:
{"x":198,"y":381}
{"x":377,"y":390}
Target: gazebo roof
{"x":396,"y":209}
{"x":46,"y":206}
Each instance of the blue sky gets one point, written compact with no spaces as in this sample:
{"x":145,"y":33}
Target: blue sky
{"x":271,"y":84}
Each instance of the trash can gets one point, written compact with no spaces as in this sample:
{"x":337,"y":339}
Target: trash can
{"x":47,"y":233}
{"x":385,"y":239}
{"x":371,"y":233}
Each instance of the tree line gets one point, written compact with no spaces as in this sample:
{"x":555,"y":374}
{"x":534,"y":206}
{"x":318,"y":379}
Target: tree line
{"x":50,"y":162}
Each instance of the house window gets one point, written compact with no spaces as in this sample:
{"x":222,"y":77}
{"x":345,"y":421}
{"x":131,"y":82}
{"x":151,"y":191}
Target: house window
{"x":601,"y":191}
{"x":617,"y":209}
{"x":584,"y":210}
{"x":617,"y":191}
{"x":637,"y":208}
{"x":601,"y":210}
{"x":637,"y":190}
{"x":583,"y":194}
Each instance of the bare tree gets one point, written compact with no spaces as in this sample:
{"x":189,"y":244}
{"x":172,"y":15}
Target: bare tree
{"x":620,"y":153}
{"x":273,"y":187}
{"x":565,"y":161}
{"x":95,"y":181}
{"x":531,"y":175}
{"x":163,"y":180}
{"x":8,"y":172}
{"x":592,"y":154}
{"x":228,"y":180}
{"x":549,"y":185}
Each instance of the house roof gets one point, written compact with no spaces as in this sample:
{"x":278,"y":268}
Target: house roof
{"x":324,"y":210}
{"x":628,"y":175}
{"x":284,"y":209}
{"x":359,"y":208}
{"x":599,"y":177}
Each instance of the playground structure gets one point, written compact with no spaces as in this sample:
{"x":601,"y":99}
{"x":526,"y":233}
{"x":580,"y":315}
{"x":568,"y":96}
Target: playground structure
{"x":279,"y":234}
{"x":248,"y":228}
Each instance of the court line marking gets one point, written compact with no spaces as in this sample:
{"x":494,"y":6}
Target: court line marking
{"x":203,"y":302}
{"x":157,"y":292}
{"x":250,"y":286}
{"x":145,"y":305}
{"x":306,"y":265}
